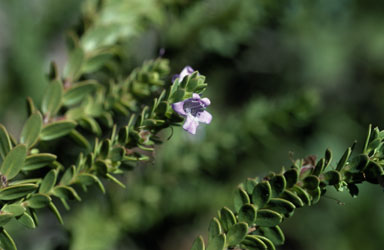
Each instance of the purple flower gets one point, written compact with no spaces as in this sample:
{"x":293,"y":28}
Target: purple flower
{"x":194,"y":110}
{"x":185,"y":72}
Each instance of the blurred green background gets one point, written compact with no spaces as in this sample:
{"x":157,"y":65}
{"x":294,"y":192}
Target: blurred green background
{"x":285,"y":78}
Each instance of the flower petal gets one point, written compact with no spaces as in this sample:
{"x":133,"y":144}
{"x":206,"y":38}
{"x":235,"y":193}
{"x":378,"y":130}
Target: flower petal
{"x":178,"y":107}
{"x":185,"y":72}
{"x":205,"y":117}
{"x":191,"y":124}
{"x":206,"y":101}
{"x":174,"y":77}
{"x":195,"y":96}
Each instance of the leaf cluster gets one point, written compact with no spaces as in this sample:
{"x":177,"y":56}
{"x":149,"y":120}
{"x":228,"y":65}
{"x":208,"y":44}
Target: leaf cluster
{"x":261,"y":205}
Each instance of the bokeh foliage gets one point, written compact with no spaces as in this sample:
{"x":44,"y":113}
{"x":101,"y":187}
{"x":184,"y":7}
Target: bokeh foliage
{"x":295,"y":76}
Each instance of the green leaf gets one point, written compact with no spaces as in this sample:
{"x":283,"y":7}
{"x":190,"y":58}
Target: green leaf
{"x":105,"y":148}
{"x":278,"y":184}
{"x":358,"y":163}
{"x":303,"y":195}
{"x":56,"y":212}
{"x":344,"y":159}
{"x":353,"y":190}
{"x":16,"y":191}
{"x":198,"y":244}
{"x":56,"y":129}
{"x":268,"y":218}
{"x":88,"y":179}
{"x":332,"y":177}
{"x":79,"y":91}
{"x":267,"y":242}
{"x":6,"y":240}
{"x":248,"y":214}
{"x":372,"y":172}
{"x":79,"y":139}
{"x":117,"y":154}
{"x":66,"y":192}
{"x":214,"y":229}
{"x":34,"y":216}
{"x":374,"y":144}
{"x":38,"y":201}
{"x":319,"y":167}
{"x":227,"y":218}
{"x":68,"y":175}
{"x":14,"y":161}
{"x":91,"y":124}
{"x":27,"y":221}
{"x":101,"y":168}
{"x":252,"y":242}
{"x":241,"y":198}
{"x":261,"y":194}
{"x":281,"y":206}
{"x":37,"y":161}
{"x":31,"y":130}
{"x":5,"y":142}
{"x":249,"y":185}
{"x":328,"y":158}
{"x":48,"y":182}
{"x":290,"y":196}
{"x":94,"y":63}
{"x":52,"y":98}
{"x":115,"y":180}
{"x":367,"y":139}
{"x":5,"y":218}
{"x":15,"y":209}
{"x":217,"y":243}
{"x":316,"y":194}
{"x":74,"y":65}
{"x":236,"y":233}
{"x":311,"y":182}
{"x":274,"y":234}
{"x":291,"y":177}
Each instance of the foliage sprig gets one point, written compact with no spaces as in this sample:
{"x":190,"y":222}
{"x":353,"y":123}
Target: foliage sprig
{"x":261,"y":205}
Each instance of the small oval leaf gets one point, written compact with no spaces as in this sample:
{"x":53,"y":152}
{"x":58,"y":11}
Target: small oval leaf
{"x":278,"y":184}
{"x":56,"y":129}
{"x":214,"y":228}
{"x":303,"y":195}
{"x":241,"y":198}
{"x":5,"y":142}
{"x":14,"y":161}
{"x":37,"y":161}
{"x":48,"y":182}
{"x":261,"y":194}
{"x":79,"y":91}
{"x":14,"y":209}
{"x":39,"y":201}
{"x":274,"y":234}
{"x":198,"y":244}
{"x":291,"y":177}
{"x":248,"y":214}
{"x":6,"y":240}
{"x":27,"y":221}
{"x":227,"y":218}
{"x":311,"y":182}
{"x":281,"y":206}
{"x":31,"y":130}
{"x":16,"y":191}
{"x":74,"y":65}
{"x":217,"y":243}
{"x":268,"y":218}
{"x":237,"y":233}
{"x":52,"y":98}
{"x":252,"y":242}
